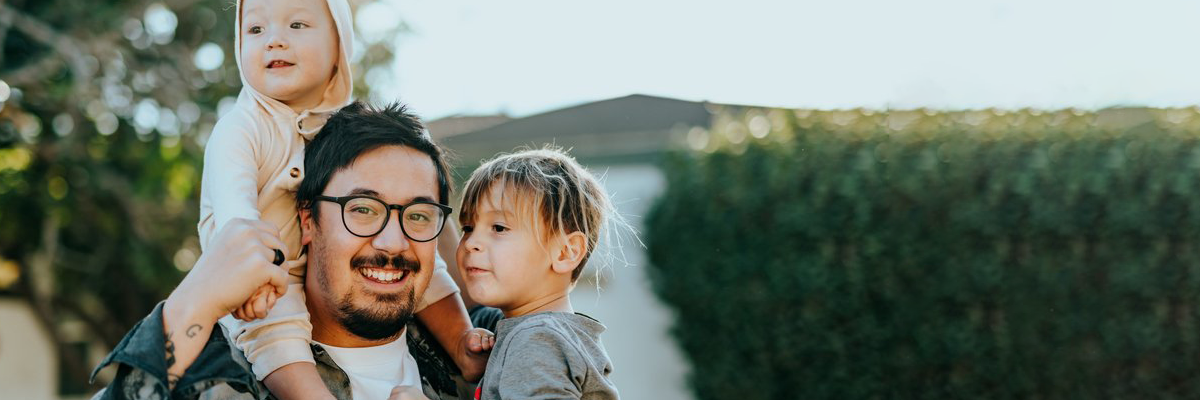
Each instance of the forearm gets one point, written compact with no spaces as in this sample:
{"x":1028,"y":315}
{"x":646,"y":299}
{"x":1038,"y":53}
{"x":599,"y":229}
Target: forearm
{"x":447,"y":319}
{"x":297,"y":381}
{"x":186,"y":329}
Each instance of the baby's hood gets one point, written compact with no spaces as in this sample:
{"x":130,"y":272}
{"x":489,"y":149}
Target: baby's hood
{"x":337,"y":94}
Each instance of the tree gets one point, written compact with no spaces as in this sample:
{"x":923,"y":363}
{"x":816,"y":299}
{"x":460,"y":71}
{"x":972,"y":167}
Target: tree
{"x":104,"y":111}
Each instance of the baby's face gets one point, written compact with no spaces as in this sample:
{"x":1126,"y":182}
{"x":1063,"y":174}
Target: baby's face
{"x":289,"y":49}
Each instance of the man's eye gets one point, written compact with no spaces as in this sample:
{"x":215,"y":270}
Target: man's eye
{"x":499,"y":228}
{"x":362,"y":210}
{"x":255,"y":30}
{"x":298,"y":25}
{"x":418,"y":217}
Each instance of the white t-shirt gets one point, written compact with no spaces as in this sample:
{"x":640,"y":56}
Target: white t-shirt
{"x":375,"y":370}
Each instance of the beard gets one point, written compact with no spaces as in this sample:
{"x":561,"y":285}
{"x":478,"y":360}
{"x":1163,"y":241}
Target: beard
{"x":383,"y":315}
{"x":382,"y":320}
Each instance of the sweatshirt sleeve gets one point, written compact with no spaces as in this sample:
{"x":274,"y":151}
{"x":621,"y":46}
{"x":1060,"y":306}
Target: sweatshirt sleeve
{"x":229,"y":189}
{"x":281,"y":338}
{"x":440,"y":285}
{"x":229,"y":182}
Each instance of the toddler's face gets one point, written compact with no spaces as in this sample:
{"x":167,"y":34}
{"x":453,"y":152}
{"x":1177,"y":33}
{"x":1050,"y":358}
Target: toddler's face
{"x":289,"y":49}
{"x":501,"y":259}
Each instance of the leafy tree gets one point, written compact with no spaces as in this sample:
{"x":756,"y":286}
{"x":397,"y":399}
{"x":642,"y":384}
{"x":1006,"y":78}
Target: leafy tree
{"x":104,"y":111}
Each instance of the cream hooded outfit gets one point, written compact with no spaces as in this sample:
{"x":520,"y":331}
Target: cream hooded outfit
{"x":253,"y":163}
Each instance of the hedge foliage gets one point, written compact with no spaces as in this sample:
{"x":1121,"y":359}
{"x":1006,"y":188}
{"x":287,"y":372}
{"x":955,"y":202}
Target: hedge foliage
{"x":934,"y":255}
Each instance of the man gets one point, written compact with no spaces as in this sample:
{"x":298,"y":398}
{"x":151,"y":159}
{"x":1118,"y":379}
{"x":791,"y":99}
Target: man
{"x":367,"y":266}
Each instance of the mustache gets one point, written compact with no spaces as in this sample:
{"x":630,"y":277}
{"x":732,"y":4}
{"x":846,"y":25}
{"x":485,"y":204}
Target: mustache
{"x":382,"y":261}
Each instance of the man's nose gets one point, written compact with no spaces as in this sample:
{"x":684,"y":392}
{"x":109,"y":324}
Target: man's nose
{"x":391,"y":239}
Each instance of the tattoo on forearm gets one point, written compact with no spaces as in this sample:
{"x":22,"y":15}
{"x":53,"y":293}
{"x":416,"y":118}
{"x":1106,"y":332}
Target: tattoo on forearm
{"x":193,"y":330}
{"x":169,"y":348}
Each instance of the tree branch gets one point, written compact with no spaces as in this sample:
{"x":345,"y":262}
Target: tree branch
{"x":5,"y":23}
{"x":64,"y":45}
{"x":34,"y":72}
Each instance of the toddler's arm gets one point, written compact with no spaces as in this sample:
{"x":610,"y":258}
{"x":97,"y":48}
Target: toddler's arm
{"x":442,"y":311}
{"x":229,"y":181}
{"x":229,"y":189}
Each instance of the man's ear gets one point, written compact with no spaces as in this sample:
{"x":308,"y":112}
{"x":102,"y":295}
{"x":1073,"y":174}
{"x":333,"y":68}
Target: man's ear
{"x":306,"y":226}
{"x":569,"y":252}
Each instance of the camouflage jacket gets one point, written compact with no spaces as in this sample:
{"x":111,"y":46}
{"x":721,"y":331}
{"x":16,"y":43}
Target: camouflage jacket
{"x":222,"y":372}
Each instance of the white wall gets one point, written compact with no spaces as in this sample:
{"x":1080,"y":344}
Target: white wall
{"x":28,"y":362}
{"x":646,"y":362}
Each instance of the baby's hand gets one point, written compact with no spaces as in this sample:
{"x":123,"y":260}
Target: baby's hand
{"x":477,"y":345}
{"x":256,"y":306}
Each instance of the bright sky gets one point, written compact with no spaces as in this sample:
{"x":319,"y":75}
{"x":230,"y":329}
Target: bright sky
{"x":529,"y":56}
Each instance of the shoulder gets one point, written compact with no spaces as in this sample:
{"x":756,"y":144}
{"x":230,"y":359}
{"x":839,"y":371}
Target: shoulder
{"x":548,"y":336}
{"x":240,"y":125}
{"x":555,"y":326}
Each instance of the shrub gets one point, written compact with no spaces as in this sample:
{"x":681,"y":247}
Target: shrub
{"x":982,"y":254}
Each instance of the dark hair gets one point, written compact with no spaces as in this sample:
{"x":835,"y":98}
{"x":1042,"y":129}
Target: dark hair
{"x":357,"y":129}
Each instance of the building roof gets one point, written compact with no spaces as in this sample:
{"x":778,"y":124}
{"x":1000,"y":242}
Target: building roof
{"x":459,"y":124}
{"x":623,"y":128}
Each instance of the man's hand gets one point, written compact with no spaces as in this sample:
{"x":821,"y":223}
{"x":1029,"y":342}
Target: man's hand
{"x":236,"y":265}
{"x":476,"y":346}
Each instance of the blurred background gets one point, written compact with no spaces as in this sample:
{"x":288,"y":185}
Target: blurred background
{"x":858,"y":199}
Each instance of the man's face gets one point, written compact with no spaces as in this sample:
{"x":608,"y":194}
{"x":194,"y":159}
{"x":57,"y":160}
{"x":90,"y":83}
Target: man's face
{"x":370,"y":284}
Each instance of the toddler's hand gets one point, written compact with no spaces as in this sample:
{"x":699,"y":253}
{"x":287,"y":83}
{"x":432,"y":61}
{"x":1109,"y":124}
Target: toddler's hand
{"x":480,"y":341}
{"x":476,"y":347}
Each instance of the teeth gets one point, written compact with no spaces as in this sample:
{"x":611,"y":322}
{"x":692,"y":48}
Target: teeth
{"x":383,"y":276}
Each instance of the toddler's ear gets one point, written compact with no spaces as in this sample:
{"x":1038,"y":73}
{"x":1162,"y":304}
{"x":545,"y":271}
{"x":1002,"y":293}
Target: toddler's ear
{"x":569,"y":252}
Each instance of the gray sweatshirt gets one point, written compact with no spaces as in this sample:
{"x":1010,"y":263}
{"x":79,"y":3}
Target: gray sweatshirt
{"x":551,"y":355}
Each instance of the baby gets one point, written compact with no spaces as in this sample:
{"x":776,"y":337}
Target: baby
{"x":293,"y":56}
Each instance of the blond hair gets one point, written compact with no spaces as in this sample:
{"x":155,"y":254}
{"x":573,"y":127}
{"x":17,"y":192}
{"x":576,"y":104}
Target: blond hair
{"x":547,"y":187}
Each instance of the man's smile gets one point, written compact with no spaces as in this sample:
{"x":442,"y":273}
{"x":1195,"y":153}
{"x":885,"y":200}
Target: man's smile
{"x":383,"y":275}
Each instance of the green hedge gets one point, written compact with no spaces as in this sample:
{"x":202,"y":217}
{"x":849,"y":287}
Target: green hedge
{"x":984,"y":254}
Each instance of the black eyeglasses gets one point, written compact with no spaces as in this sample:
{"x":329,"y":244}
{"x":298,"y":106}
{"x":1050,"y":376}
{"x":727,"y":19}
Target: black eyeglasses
{"x":365,"y":216}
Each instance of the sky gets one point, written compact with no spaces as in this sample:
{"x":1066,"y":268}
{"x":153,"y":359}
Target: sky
{"x":522,"y":57}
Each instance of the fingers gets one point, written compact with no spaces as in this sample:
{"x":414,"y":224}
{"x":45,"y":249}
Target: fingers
{"x":258,"y":305}
{"x":270,"y":238}
{"x":480,"y":340}
{"x":267,"y":235}
{"x":489,"y":343}
{"x":278,"y":278}
{"x":475,"y":342}
{"x":271,"y":297}
{"x":260,"y":302}
{"x":237,"y":313}
{"x":248,"y":310}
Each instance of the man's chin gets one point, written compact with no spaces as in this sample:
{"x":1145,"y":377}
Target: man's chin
{"x":377,"y":316}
